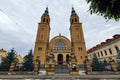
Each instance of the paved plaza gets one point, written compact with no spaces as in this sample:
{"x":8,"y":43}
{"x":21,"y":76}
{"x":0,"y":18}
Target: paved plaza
{"x":59,"y":77}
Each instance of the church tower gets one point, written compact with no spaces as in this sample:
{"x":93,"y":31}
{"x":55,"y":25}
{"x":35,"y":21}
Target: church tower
{"x":77,"y":38}
{"x":42,"y":38}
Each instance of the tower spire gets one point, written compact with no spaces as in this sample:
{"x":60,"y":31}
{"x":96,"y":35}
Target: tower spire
{"x":45,"y":17}
{"x":46,"y":11}
{"x":73,"y":11}
{"x":74,"y":18}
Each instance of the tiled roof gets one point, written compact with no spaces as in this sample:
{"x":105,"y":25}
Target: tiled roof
{"x":116,"y":36}
{"x":2,"y":50}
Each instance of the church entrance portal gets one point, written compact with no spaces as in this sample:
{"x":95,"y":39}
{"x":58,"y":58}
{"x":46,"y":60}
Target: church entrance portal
{"x":60,"y":59}
{"x":60,"y":67}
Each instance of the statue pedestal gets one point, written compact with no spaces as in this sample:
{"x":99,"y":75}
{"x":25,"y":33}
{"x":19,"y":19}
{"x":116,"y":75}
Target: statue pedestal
{"x":73,"y":65}
{"x":50,"y":64}
{"x":114,"y":67}
{"x":36,"y":67}
{"x":74,"y":69}
{"x":50,"y":69}
{"x":88,"y":66}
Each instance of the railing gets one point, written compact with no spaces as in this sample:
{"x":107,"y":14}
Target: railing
{"x":105,"y":72}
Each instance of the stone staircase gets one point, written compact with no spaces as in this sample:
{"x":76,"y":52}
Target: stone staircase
{"x":61,"y":68}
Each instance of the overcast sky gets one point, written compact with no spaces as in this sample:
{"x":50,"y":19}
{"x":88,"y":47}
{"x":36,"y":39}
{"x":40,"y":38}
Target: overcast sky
{"x":19,"y":22}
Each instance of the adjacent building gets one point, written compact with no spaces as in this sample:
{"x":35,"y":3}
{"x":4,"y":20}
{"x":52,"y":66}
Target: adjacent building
{"x":3,"y":54}
{"x":107,"y":49}
{"x":20,"y":58}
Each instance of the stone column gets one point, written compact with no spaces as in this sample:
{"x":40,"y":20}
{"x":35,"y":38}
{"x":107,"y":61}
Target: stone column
{"x":88,"y":66}
{"x":50,"y":64}
{"x":113,"y":65}
{"x":36,"y":65}
{"x":13,"y":65}
{"x":73,"y":65}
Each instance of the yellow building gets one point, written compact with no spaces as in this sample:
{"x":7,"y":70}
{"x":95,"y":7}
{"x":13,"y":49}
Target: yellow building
{"x":3,"y":54}
{"x":107,"y":49}
{"x":20,"y":58}
{"x":60,"y":51}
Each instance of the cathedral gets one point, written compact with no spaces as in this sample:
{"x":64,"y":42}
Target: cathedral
{"x":60,"y":55}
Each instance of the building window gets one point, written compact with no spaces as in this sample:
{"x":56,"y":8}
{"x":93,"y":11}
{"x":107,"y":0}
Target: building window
{"x":43,"y":19}
{"x":81,"y":57}
{"x":80,"y":49}
{"x":105,"y":52}
{"x":101,"y":53}
{"x":47,"y":20}
{"x":78,"y":36}
{"x":110,"y":50}
{"x":60,"y":43}
{"x":117,"y":49}
{"x":75,"y":20}
{"x":64,"y":48}
{"x":98,"y":54}
{"x":40,"y":49}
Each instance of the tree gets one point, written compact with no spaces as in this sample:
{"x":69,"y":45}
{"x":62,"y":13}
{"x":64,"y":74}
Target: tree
{"x":95,"y":63}
{"x":28,"y":61}
{"x":5,"y":65}
{"x":110,"y":9}
{"x":106,"y":65}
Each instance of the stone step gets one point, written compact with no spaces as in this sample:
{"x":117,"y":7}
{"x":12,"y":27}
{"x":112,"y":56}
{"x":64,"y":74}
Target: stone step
{"x":61,"y":68}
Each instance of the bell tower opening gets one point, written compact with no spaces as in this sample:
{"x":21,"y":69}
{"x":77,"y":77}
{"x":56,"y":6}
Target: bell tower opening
{"x":60,"y":59}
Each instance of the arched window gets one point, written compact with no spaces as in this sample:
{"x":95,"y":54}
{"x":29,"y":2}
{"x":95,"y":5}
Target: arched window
{"x":59,"y":43}
{"x":75,"y":20}
{"x":43,"y":19}
{"x":47,"y":20}
{"x":72,"y":20}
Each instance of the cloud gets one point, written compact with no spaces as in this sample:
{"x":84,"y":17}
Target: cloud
{"x":19,"y":22}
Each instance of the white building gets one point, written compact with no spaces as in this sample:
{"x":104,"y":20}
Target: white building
{"x":107,"y":49}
